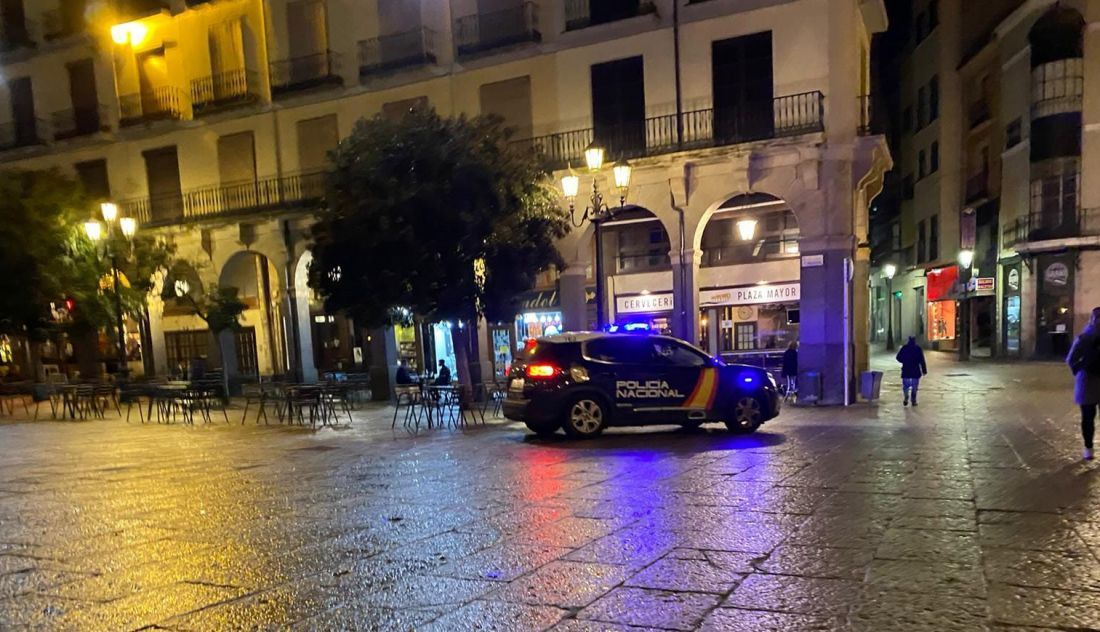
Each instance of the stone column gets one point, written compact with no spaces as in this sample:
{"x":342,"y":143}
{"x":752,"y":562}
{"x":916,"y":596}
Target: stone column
{"x":685,"y":295}
{"x":574,"y":300}
{"x":304,"y":336}
{"x":156,"y":335}
{"x":824,"y":332}
{"x":861,"y":309}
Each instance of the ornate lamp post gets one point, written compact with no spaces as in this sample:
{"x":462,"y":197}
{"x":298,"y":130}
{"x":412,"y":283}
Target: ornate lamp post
{"x":597,"y":211}
{"x":966,"y":260}
{"x":127,"y":226}
{"x":888,"y":271}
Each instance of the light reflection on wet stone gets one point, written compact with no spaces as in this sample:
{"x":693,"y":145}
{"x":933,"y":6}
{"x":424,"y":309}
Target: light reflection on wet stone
{"x":949,"y":518}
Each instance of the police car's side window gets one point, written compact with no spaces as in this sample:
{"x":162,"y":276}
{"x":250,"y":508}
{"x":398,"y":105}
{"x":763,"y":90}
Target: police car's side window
{"x":678,"y":355}
{"x":623,"y":350}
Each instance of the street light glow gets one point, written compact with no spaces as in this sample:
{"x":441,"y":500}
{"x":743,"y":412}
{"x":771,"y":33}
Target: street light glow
{"x":746,"y":228}
{"x":93,"y":229}
{"x":109,"y":211}
{"x":570,"y":185}
{"x":622,"y":174}
{"x":966,"y":258}
{"x":593,"y":157}
{"x":182,"y":288}
{"x":889,"y":270}
{"x":128,"y":225}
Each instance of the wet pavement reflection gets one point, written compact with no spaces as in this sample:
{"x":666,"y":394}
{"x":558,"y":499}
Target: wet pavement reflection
{"x":970,"y":513}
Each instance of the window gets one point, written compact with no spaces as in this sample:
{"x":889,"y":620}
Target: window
{"x":1014,"y":134}
{"x":676,"y":354}
{"x":180,"y":347}
{"x":618,"y":104}
{"x":907,"y":187}
{"x":316,"y":137}
{"x":620,"y":350}
{"x":922,"y":108}
{"x":922,"y":165}
{"x":934,"y":238}
{"x":934,"y":164}
{"x":1054,"y":198}
{"x":922,"y":243}
{"x":394,"y":111}
{"x":907,"y":119}
{"x":745,"y":334}
{"x":934,"y":98}
{"x":92,"y":175}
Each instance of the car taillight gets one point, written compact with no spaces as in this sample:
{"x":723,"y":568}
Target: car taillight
{"x":536,"y":371}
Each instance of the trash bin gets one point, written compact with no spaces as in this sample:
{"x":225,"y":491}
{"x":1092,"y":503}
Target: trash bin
{"x":870,"y":385}
{"x":809,"y":387}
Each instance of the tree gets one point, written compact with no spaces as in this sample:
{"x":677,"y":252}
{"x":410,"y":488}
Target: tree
{"x":416,"y":206}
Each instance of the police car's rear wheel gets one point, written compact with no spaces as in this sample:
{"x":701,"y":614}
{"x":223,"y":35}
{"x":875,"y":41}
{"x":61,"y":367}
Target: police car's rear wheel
{"x":585,"y":417}
{"x":748,"y":414}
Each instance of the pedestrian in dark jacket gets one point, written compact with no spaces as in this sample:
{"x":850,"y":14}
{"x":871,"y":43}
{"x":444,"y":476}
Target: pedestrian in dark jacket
{"x":1084,"y":361}
{"x":913,"y":368}
{"x":790,"y":366}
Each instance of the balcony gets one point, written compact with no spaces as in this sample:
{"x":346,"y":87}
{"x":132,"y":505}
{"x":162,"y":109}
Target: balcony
{"x":224,"y":90}
{"x":305,"y":73}
{"x":579,"y":14}
{"x":59,"y":24}
{"x":484,"y":32}
{"x":164,"y":103}
{"x":1057,"y":88}
{"x":81,"y":121}
{"x":698,"y":129}
{"x":399,"y":51}
{"x":24,"y":134}
{"x":977,"y":187}
{"x":228,"y":200}
{"x":1058,"y":224}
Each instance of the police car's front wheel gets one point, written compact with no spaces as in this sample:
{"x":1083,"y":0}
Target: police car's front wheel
{"x":748,"y":414}
{"x":586,"y":417}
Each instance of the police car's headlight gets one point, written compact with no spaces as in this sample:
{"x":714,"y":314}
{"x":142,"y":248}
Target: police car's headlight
{"x":771,"y":379}
{"x":578,"y":374}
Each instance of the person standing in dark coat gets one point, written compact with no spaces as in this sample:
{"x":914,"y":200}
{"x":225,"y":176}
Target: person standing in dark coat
{"x":790,"y":367}
{"x":443,"y":378}
{"x":1084,"y":361}
{"x":913,"y":368}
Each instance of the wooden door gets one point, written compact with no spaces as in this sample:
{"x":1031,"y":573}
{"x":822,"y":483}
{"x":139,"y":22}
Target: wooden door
{"x":743,"y":87}
{"x":618,"y":107}
{"x":162,"y":172}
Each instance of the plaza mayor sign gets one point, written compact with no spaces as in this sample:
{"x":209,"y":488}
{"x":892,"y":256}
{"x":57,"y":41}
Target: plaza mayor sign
{"x":752,"y":295}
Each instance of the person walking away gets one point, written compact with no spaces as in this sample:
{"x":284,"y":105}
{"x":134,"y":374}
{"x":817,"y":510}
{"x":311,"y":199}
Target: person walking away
{"x":913,"y":368}
{"x":790,"y":368}
{"x":1084,"y":362}
{"x":443,"y":378}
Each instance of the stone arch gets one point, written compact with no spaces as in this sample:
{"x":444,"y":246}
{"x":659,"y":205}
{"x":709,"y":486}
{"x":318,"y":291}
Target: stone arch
{"x":1058,"y":34}
{"x":260,"y":345}
{"x":639,"y":239}
{"x":748,"y":228}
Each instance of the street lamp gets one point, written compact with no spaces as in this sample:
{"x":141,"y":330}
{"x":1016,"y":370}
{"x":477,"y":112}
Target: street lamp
{"x":95,"y":231}
{"x":966,"y":260}
{"x":746,"y":228}
{"x":888,"y":271}
{"x":597,"y":211}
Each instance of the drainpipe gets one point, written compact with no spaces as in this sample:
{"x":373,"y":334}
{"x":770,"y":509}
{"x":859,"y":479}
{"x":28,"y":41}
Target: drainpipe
{"x":684,"y":321}
{"x":679,"y":90}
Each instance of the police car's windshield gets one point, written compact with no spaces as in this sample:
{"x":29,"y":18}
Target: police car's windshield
{"x":646,"y":350}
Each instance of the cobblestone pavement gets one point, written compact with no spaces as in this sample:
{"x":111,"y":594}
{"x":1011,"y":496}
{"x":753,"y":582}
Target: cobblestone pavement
{"x":972,"y":512}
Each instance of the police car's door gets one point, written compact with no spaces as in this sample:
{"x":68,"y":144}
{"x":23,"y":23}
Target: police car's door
{"x":623,"y":367}
{"x":690,"y":377}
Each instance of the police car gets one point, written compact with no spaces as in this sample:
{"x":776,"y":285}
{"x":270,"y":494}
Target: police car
{"x":585,"y":382}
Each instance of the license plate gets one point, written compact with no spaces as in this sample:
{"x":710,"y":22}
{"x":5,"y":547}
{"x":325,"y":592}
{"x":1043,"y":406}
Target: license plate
{"x":516,"y":385}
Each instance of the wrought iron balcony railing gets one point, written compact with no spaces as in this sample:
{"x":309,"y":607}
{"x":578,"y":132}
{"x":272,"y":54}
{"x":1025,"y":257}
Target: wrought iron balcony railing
{"x":165,"y":102}
{"x":79,"y":121}
{"x":228,"y":200}
{"x":784,"y":116}
{"x":22,"y":134}
{"x":1052,"y":225}
{"x":483,"y":32}
{"x":644,"y":261}
{"x":765,"y":249}
{"x":977,"y":187}
{"x":579,"y":14}
{"x":303,"y":73}
{"x":224,"y":89}
{"x":388,"y":53}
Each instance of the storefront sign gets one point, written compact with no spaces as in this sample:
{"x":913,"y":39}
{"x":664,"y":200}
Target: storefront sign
{"x":985,"y":284}
{"x":813,"y":261}
{"x":1057,"y":273}
{"x":752,"y":295}
{"x":940,"y":283}
{"x":539,"y":300}
{"x":643,"y":304}
{"x":1014,"y":280}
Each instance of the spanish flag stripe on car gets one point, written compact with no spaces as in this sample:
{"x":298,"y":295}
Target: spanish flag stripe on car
{"x":705,"y":390}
